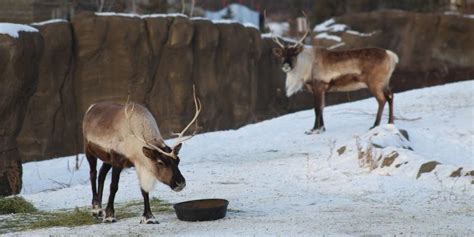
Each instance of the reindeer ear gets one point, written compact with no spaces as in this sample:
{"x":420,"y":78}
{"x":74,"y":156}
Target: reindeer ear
{"x":150,"y":153}
{"x":177,"y":148}
{"x":278,"y":52}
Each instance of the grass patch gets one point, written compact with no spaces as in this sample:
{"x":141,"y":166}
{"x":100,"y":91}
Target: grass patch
{"x":15,"y":205}
{"x":75,"y":217}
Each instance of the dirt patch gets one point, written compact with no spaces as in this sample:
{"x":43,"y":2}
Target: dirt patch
{"x":470,"y":173}
{"x":427,"y":168}
{"x":456,"y":173}
{"x":404,"y":134}
{"x":341,"y":150}
{"x":388,"y":161}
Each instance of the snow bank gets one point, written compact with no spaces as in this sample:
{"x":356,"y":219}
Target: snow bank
{"x":13,"y":30}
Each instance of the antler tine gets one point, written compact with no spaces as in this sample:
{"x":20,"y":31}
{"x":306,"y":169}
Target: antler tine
{"x":300,"y":42}
{"x":198,"y":105}
{"x":128,"y":117}
{"x":276,"y":40}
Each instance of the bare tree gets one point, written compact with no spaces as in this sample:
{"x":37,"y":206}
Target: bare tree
{"x":100,"y":5}
{"x":193,"y":2}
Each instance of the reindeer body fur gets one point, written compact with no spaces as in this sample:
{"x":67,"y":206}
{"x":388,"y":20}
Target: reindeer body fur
{"x":342,"y":70}
{"x":107,"y":136}
{"x":124,"y":136}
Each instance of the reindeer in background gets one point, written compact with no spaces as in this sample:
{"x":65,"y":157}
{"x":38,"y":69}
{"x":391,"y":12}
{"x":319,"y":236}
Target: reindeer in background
{"x":322,"y":70}
{"x":110,"y":134}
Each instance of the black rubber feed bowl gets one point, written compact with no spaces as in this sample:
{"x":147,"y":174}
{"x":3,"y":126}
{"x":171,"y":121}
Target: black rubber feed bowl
{"x":201,"y":210}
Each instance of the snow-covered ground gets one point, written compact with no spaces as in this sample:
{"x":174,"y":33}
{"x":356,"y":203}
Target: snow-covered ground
{"x":282,"y":182}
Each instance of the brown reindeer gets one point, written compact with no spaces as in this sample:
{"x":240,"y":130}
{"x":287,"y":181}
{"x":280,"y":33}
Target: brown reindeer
{"x":110,"y":134}
{"x":322,"y":70}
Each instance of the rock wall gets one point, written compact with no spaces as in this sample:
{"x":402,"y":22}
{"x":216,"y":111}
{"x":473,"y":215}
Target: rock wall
{"x":158,"y":59}
{"x":50,"y":120}
{"x":155,"y":59}
{"x":19,"y":58}
{"x":433,"y":48}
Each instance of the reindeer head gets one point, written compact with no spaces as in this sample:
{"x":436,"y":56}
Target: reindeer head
{"x":166,"y":167}
{"x":165,"y":159}
{"x":288,"y":54}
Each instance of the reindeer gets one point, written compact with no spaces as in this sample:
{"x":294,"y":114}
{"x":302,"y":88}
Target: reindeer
{"x":321,"y":70}
{"x":110,"y":134}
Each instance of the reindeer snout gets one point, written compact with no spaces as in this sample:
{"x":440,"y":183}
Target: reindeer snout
{"x":179,"y":186}
{"x":286,"y":67}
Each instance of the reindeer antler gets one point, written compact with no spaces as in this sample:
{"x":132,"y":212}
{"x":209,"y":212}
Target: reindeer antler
{"x":128,"y":117}
{"x":300,"y":42}
{"x":171,"y":154}
{"x":198,"y":105}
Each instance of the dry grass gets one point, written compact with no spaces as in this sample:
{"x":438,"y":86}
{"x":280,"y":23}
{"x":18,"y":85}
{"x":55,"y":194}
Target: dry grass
{"x":15,"y":205}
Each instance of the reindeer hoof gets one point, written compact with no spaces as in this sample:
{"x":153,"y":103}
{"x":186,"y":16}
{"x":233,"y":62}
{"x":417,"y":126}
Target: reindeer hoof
{"x":315,"y":131}
{"x":145,"y":220}
{"x":97,"y":212}
{"x":109,"y":219}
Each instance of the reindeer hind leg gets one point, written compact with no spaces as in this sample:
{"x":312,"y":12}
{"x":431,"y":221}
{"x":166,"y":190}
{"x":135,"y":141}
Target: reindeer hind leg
{"x":93,"y":178}
{"x":104,"y":169}
{"x":380,"y":97}
{"x":109,"y":210}
{"x":389,"y":97}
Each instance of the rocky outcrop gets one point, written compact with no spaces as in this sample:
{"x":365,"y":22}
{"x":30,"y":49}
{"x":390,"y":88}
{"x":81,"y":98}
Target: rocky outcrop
{"x":19,"y":58}
{"x":50,"y":120}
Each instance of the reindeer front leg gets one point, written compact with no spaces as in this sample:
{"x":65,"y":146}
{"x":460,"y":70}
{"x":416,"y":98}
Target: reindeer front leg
{"x":319,"y":92}
{"x":109,"y":210}
{"x":147,"y":217}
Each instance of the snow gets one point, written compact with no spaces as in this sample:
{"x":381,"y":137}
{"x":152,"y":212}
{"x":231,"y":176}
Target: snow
{"x":13,"y":30}
{"x":250,"y":25}
{"x":52,"y":21}
{"x":353,"y":32}
{"x":279,"y":28}
{"x":330,"y":25}
{"x":335,"y":46}
{"x":286,"y":39}
{"x":327,"y":36}
{"x":282,"y":182}
{"x":452,"y":13}
{"x":240,"y":13}
{"x":139,"y":16}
